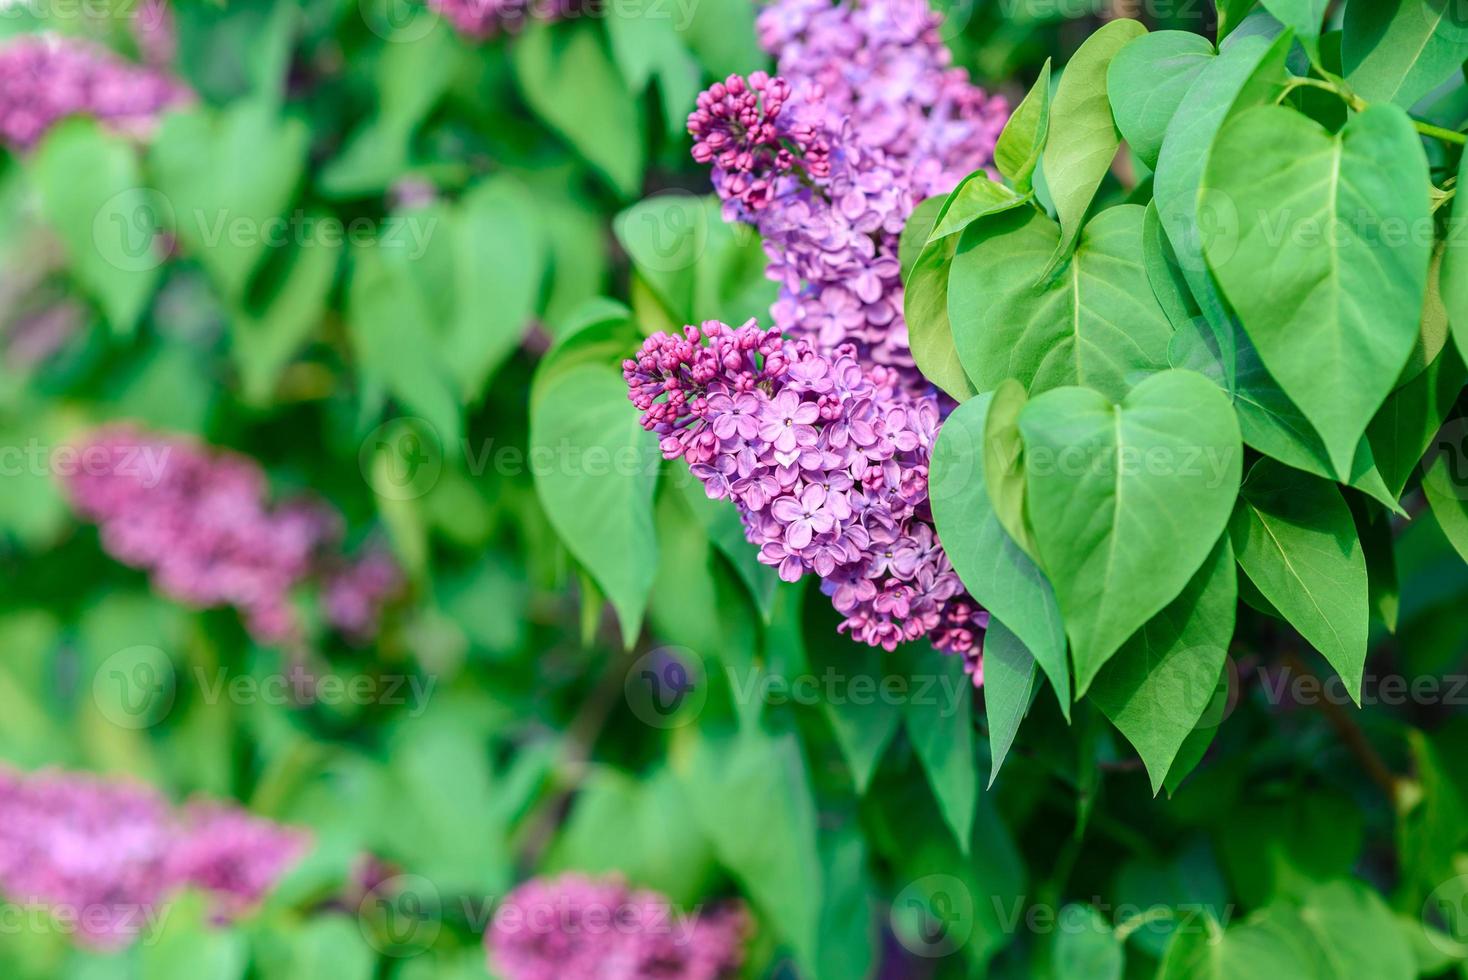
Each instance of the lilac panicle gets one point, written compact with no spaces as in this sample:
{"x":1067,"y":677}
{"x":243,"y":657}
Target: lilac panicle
{"x":574,"y":926}
{"x":869,"y":118}
{"x":826,"y":458}
{"x":823,"y":440}
{"x":105,"y":853}
{"x":201,"y":523}
{"x":46,"y":79}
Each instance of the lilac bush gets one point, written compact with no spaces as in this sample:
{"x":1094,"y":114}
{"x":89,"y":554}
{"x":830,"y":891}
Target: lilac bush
{"x":105,"y":853}
{"x":46,"y":79}
{"x":823,"y":441}
{"x":575,"y":926}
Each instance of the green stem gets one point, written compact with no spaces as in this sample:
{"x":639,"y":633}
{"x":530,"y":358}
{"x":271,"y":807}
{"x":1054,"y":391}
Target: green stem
{"x":1359,"y":105}
{"x":1438,"y":132}
{"x":1125,"y":929}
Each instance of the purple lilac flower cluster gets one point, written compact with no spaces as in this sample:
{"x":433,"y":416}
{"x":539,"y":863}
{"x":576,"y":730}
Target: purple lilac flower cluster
{"x":827,"y":460}
{"x":202,"y":524}
{"x":480,"y":20}
{"x":823,"y":441}
{"x":45,"y":79}
{"x":574,"y":926}
{"x":870,"y":118}
{"x":103,"y":854}
{"x":740,"y":128}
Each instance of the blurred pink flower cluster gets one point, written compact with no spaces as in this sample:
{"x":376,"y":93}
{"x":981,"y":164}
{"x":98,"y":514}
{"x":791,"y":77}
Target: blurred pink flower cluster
{"x":484,"y":19}
{"x":574,"y":926}
{"x":202,"y":524}
{"x":101,"y":855}
{"x":44,"y":79}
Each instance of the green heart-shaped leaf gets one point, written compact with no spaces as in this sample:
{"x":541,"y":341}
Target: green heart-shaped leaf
{"x":230,"y":175}
{"x":1400,"y":50}
{"x":1126,"y":501}
{"x":1160,"y":682}
{"x":1147,"y":81}
{"x":1095,"y":323}
{"x":1083,"y":137}
{"x":996,"y":571}
{"x":1297,"y":542}
{"x":1317,"y":247}
{"x":1023,"y":138}
{"x":1009,"y":681}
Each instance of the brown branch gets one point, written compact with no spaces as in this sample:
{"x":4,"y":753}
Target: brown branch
{"x":1350,"y":733}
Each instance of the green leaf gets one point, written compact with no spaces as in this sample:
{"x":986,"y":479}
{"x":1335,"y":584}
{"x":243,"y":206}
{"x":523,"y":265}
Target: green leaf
{"x":263,"y":341}
{"x":1126,"y":501}
{"x":1247,"y":71}
{"x":1404,"y":428}
{"x":929,"y":333}
{"x":639,"y":828}
{"x":721,"y":522}
{"x":942,"y":735}
{"x":393,"y":336}
{"x":974,"y":198}
{"x":1431,"y":829}
{"x":1158,"y":685}
{"x":645,"y":45}
{"x":1085,"y":946}
{"x":1188,"y":881}
{"x":1022,"y":140}
{"x":1454,"y":282}
{"x":1083,"y":138}
{"x":1147,"y":81}
{"x":1331,"y":303}
{"x":1230,"y":14}
{"x":753,"y":800}
{"x":229,"y":176}
{"x":190,"y":947}
{"x":500,"y":262}
{"x":1446,"y":487}
{"x":1374,"y":527}
{"x":666,"y":236}
{"x":1304,"y":17}
{"x":1095,"y":323}
{"x":92,"y":194}
{"x":925,"y":289}
{"x":1258,"y":949}
{"x":326,"y":945}
{"x":1169,"y":285}
{"x":994,"y":569}
{"x":861,"y":712}
{"x":849,"y":940}
{"x":1003,"y":452}
{"x":1009,"y":681}
{"x":1399,"y":50}
{"x":1297,"y":542}
{"x":1353,"y":934}
{"x":917,"y":229}
{"x":569,"y":80}
{"x":599,"y":495}
{"x":1270,"y":422}
{"x":1196,"y":745}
